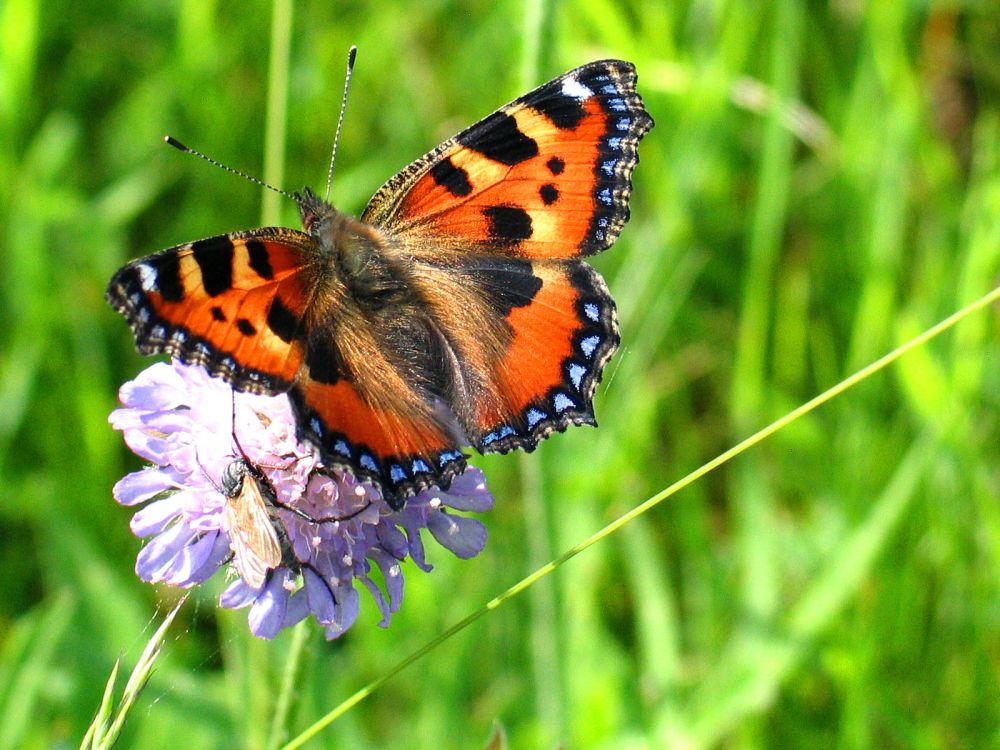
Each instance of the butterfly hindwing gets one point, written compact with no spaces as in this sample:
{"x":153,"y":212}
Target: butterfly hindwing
{"x":547,"y":176}
{"x":532,"y":338}
{"x":376,"y":394}
{"x":548,"y":375}
{"x":234,"y":304}
{"x":397,"y":450}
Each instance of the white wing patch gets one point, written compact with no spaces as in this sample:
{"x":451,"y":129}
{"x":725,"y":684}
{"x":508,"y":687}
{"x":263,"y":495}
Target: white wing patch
{"x":573,"y":88}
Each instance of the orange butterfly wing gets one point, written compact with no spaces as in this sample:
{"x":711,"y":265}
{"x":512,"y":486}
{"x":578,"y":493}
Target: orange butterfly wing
{"x":233,"y":303}
{"x":548,"y":374}
{"x":520,"y":196}
{"x":532,"y":338}
{"x":547,"y":176}
{"x":399,"y":449}
{"x":246,"y":306}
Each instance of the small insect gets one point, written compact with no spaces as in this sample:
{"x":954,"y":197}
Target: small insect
{"x":457,"y":311}
{"x":257,"y":534}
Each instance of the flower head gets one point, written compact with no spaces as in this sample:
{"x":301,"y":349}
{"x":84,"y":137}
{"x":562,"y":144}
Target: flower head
{"x":330,"y":527}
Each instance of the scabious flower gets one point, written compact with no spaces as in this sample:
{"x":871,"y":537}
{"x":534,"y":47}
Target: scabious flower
{"x":183,"y":422}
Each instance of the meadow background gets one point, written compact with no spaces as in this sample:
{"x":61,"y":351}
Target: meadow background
{"x":823,"y":182}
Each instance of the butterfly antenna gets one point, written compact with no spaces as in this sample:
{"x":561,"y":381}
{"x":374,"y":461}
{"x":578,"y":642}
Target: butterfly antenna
{"x":181,"y":147}
{"x":351,"y":56}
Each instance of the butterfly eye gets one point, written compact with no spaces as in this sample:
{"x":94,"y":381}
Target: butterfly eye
{"x":313,"y":211}
{"x":309,"y":220}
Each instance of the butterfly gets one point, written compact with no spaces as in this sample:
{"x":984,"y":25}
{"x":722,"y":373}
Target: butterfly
{"x":455,"y":312}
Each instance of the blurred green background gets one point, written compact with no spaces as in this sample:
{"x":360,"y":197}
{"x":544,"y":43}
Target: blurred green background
{"x":823,"y":183}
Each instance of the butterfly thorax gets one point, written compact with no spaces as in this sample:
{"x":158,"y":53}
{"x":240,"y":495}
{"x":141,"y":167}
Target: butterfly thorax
{"x":354,"y":252}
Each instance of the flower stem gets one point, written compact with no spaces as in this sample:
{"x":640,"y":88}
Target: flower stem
{"x":274,"y":172}
{"x":279,"y":722}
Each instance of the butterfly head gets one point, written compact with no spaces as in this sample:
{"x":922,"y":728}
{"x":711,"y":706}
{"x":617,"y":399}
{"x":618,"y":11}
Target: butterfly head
{"x":356,"y":248}
{"x":316,"y":213}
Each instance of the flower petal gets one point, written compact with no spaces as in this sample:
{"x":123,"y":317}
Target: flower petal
{"x":155,"y":517}
{"x":348,"y":606}
{"x":191,"y":558}
{"x":159,"y":386}
{"x":297,"y":610}
{"x":168,"y":422}
{"x":321,"y":601}
{"x":267,"y":614}
{"x":156,"y":557}
{"x":154,"y":448}
{"x":392,"y":574}
{"x":380,"y":601}
{"x":466,"y":537}
{"x":415,"y":544}
{"x":140,"y":486}
{"x":393,"y":540}
{"x":237,"y":595}
{"x":468,"y":492}
{"x":213,"y":561}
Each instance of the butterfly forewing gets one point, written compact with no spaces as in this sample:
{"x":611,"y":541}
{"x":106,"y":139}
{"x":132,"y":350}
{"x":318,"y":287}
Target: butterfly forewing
{"x":233,"y":303}
{"x":547,"y":176}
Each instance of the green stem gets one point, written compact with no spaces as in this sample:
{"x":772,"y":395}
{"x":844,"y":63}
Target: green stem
{"x":277,"y":109}
{"x":545,"y":664}
{"x":282,"y":705}
{"x":274,"y":173}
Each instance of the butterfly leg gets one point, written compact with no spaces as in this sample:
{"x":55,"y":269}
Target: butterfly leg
{"x":321,"y":519}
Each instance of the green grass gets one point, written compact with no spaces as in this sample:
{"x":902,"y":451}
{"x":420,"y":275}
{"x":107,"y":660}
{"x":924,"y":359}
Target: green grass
{"x":822,"y":184}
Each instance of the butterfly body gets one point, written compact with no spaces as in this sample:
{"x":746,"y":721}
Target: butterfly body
{"x":455,"y":311}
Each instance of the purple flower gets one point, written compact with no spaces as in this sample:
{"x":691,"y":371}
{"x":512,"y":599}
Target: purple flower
{"x":334,"y":528}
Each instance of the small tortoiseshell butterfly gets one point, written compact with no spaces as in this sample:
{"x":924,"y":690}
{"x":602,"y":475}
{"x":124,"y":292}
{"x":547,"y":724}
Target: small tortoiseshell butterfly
{"x":455,"y":312}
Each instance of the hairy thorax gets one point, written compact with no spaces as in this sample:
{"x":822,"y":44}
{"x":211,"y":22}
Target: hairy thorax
{"x":354,"y":256}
